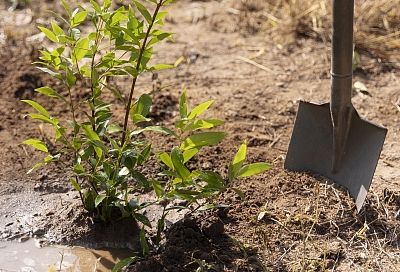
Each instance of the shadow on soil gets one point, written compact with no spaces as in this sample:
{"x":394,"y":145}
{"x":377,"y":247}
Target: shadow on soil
{"x":195,"y":243}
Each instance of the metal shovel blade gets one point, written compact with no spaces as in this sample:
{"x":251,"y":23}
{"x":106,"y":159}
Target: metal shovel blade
{"x":311,"y":149}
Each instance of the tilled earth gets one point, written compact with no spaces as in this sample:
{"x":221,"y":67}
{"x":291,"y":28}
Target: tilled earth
{"x":288,"y":221}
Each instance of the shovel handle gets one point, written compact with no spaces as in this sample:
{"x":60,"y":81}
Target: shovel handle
{"x":342,"y":75}
{"x":342,"y":53}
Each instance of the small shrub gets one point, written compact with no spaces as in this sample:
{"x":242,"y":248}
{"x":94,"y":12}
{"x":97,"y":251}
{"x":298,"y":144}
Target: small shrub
{"x":99,"y":44}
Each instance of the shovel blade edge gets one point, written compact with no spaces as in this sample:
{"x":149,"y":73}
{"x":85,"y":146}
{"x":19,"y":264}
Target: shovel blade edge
{"x":311,"y":149}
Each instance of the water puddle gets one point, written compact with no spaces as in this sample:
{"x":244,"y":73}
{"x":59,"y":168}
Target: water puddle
{"x":29,"y":257}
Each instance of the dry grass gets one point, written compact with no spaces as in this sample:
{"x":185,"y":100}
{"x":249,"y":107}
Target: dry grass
{"x":377,"y":22}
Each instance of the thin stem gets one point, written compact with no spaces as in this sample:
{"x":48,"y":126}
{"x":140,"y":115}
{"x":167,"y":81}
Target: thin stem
{"x":139,"y":60}
{"x":92,"y":67}
{"x":71,"y":104}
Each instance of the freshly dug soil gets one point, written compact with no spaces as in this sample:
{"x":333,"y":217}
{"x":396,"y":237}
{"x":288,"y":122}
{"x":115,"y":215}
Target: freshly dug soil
{"x":287,"y":222}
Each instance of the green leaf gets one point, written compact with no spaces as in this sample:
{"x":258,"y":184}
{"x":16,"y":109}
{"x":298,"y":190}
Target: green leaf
{"x":89,"y":198}
{"x":214,"y":180}
{"x":66,"y":7}
{"x":90,"y":133}
{"x":113,"y":128}
{"x":106,"y":4}
{"x":161,"y":66}
{"x":81,"y":49}
{"x":142,"y":219}
{"x":160,"y":16}
{"x":48,"y":71}
{"x":41,"y":117}
{"x":142,"y":9}
{"x":183,"y":107}
{"x":125,"y":262}
{"x":202,"y":139}
{"x":157,"y":188}
{"x":78,"y":18}
{"x":75,"y":184}
{"x":188,"y":154}
{"x":99,"y":199}
{"x":94,"y":139}
{"x":139,"y":177}
{"x":78,"y":168}
{"x":180,"y":168}
{"x":237,"y":161}
{"x":38,"y":144}
{"x":158,"y":129}
{"x":142,"y":106}
{"x":49,"y":92}
{"x":96,"y":6}
{"x":57,"y":29}
{"x":138,"y":118}
{"x":49,"y":34}
{"x":200,"y":124}
{"x":37,"y":107}
{"x":253,"y":169}
{"x":166,"y":159}
{"x":143,"y":242}
{"x":200,"y":109}
{"x":71,"y":78}
{"x":45,"y":161}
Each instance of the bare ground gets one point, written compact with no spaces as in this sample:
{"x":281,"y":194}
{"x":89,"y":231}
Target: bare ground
{"x":289,"y":221}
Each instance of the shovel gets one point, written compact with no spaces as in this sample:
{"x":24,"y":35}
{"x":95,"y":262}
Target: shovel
{"x":331,"y":139}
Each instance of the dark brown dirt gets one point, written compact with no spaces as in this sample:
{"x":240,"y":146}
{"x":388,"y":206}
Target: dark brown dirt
{"x":288,"y":221}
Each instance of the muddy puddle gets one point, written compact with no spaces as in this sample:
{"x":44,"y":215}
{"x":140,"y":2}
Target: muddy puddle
{"x":28,"y":256}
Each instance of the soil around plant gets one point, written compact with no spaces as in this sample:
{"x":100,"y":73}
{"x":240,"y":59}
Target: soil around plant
{"x":287,"y":221}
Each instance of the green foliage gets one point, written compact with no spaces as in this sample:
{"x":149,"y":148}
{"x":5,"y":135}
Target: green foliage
{"x":109,"y":161}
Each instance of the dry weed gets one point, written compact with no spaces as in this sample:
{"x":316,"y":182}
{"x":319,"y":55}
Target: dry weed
{"x":377,"y":22}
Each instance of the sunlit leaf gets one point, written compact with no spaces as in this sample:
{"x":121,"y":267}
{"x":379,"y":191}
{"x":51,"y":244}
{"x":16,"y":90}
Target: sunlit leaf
{"x":142,"y":9}
{"x":253,"y":169}
{"x":237,"y":161}
{"x":157,"y":129}
{"x":190,"y":153}
{"x":37,"y":144}
{"x":157,"y":188}
{"x":200,"y":109}
{"x":66,"y":7}
{"x":78,"y":18}
{"x":99,"y":199}
{"x":37,"y":107}
{"x":75,"y":184}
{"x":202,"y":139}
{"x":81,"y":49}
{"x":49,"y":34}
{"x":160,"y":66}
{"x":201,"y":124}
{"x":49,"y":92}
{"x":57,"y":30}
{"x":166,"y":159}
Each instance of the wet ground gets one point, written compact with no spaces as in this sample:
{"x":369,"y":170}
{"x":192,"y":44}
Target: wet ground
{"x":30,"y":256}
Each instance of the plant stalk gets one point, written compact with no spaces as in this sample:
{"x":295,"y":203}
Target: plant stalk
{"x":139,"y":60}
